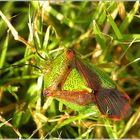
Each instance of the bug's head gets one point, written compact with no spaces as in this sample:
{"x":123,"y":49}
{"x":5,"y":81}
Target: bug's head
{"x":47,"y":93}
{"x":70,"y":54}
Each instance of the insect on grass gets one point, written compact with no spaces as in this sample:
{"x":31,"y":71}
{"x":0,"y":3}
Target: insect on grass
{"x":109,"y":100}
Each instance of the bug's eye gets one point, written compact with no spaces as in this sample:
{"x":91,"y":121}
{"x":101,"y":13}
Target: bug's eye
{"x":95,"y":91}
{"x":69,"y":66}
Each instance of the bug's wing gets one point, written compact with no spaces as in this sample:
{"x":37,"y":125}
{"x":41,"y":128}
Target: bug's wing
{"x":113,"y":103}
{"x":90,"y":77}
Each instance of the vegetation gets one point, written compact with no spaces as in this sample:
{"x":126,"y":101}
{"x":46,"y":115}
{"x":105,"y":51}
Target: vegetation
{"x":33,"y":35}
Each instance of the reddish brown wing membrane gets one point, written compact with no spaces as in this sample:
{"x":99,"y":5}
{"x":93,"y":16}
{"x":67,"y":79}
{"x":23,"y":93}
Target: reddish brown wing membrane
{"x":113,"y":103}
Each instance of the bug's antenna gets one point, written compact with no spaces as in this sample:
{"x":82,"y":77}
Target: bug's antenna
{"x":17,"y":66}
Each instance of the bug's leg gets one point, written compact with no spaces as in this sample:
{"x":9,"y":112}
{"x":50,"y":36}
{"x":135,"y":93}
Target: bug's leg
{"x":78,"y":97}
{"x":60,"y":85}
{"x":57,"y":84}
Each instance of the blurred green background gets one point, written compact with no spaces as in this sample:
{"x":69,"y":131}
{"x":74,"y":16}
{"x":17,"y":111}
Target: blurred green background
{"x":106,"y":33}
